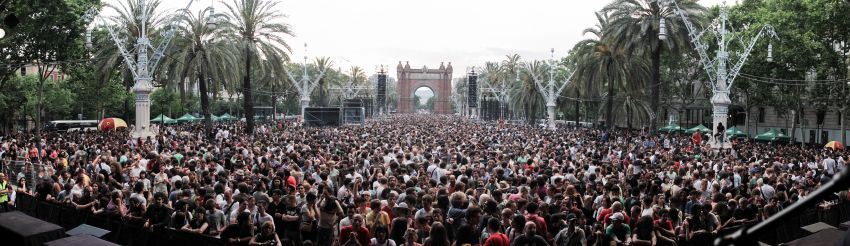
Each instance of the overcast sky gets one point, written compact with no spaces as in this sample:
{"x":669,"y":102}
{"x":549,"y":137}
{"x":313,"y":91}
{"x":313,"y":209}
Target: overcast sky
{"x":368,"y":33}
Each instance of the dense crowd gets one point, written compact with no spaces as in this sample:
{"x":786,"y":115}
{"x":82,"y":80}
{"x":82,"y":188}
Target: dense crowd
{"x":418,"y":180}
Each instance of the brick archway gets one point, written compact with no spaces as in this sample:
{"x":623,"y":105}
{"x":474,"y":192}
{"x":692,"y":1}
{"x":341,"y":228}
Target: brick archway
{"x":439,"y":80}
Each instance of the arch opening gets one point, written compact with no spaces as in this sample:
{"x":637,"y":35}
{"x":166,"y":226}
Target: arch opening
{"x":424,"y":99}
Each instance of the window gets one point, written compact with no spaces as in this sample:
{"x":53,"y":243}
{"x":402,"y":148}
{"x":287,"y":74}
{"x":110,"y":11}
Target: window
{"x":761,"y":115}
{"x":23,"y":71}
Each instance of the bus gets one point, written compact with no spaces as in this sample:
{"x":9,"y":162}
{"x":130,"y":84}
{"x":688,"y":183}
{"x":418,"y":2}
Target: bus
{"x":71,"y":125}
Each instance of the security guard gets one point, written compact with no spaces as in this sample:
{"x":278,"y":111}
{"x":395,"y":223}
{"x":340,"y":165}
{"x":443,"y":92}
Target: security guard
{"x":5,"y":190}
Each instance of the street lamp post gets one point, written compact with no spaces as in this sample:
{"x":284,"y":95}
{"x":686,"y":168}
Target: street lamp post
{"x":721,"y":77}
{"x":139,"y":64}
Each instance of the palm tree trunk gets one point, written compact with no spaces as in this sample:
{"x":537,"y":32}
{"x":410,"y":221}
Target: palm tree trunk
{"x":128,"y":84}
{"x":609,"y":109}
{"x":205,"y":99}
{"x":248,"y":99}
{"x":655,"y":85}
{"x":578,"y":104}
{"x":183,"y":74}
{"x":322,"y":97}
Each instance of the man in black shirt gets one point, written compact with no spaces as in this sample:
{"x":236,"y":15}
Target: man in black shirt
{"x":530,"y":237}
{"x":291,"y":217}
{"x":276,"y":208}
{"x":157,"y":214}
{"x":239,"y":233}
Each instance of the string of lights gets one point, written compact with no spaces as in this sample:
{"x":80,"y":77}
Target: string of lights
{"x":774,"y":81}
{"x":792,"y":80}
{"x":74,"y":61}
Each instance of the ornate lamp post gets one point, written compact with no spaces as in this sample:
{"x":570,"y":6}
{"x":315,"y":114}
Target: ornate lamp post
{"x":549,"y":91}
{"x":139,"y":63}
{"x":305,"y":86}
{"x":721,"y":77}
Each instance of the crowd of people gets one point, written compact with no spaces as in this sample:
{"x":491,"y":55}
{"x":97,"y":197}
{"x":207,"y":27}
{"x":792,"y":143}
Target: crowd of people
{"x":417,"y":180}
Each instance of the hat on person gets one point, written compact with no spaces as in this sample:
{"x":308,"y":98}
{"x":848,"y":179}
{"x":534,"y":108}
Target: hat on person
{"x":571,"y":217}
{"x":617,"y":217}
{"x":291,"y":181}
{"x":402,"y":206}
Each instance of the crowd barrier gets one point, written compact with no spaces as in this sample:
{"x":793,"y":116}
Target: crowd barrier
{"x":129,"y":234}
{"x":791,"y":229}
{"x":121,"y":233}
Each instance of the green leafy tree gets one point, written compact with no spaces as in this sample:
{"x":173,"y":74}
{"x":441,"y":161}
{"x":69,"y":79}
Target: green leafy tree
{"x":257,"y":33}
{"x":12,"y":100}
{"x":42,"y":40}
{"x":109,"y":57}
{"x":201,"y":50}
{"x":525,"y":94}
{"x":635,"y":26}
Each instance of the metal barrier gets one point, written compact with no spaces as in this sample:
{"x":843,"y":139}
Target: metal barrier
{"x":14,"y":169}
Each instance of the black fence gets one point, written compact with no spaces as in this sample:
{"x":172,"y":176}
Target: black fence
{"x":129,"y":234}
{"x":121,"y":232}
{"x":791,"y":229}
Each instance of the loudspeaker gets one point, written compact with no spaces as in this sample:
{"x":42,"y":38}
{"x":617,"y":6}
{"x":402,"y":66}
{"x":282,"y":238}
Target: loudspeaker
{"x":382,"y":90}
{"x":320,"y":116}
{"x":472,"y":91}
{"x":86,"y":229}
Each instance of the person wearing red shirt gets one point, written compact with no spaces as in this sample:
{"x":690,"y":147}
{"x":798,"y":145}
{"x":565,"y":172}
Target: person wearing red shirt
{"x":538,"y":221}
{"x":605,"y":215}
{"x":355,"y":234}
{"x":697,"y":137}
{"x":496,"y":238}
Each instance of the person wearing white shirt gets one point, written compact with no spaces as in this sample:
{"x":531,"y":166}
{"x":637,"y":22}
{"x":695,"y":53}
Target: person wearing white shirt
{"x":829,"y":165}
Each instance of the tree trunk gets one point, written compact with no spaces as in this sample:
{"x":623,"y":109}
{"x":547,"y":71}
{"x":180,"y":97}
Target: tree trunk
{"x":793,"y":126}
{"x":655,"y":87}
{"x":843,"y":127}
{"x":246,"y":85}
{"x":322,"y":97}
{"x":578,"y":104}
{"x":39,"y":105}
{"x":181,"y":82}
{"x":609,"y":109}
{"x":205,"y":99}
{"x":274,"y":104}
{"x":128,"y":83}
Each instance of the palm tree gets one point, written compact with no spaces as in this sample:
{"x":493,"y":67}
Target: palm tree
{"x":510,"y":68}
{"x":599,"y":63}
{"x":109,"y":56}
{"x":253,"y":23}
{"x":195,"y":47}
{"x":324,"y":86}
{"x":525,"y":94}
{"x":327,"y":81}
{"x":634,"y":25}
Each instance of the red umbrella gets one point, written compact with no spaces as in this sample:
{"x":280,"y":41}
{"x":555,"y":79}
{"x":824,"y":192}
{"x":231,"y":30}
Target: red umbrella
{"x":111,"y":123}
{"x":834,"y":145}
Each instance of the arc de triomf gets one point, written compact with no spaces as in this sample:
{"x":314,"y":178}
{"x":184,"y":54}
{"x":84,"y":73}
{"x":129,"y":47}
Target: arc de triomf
{"x":438,"y":80}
